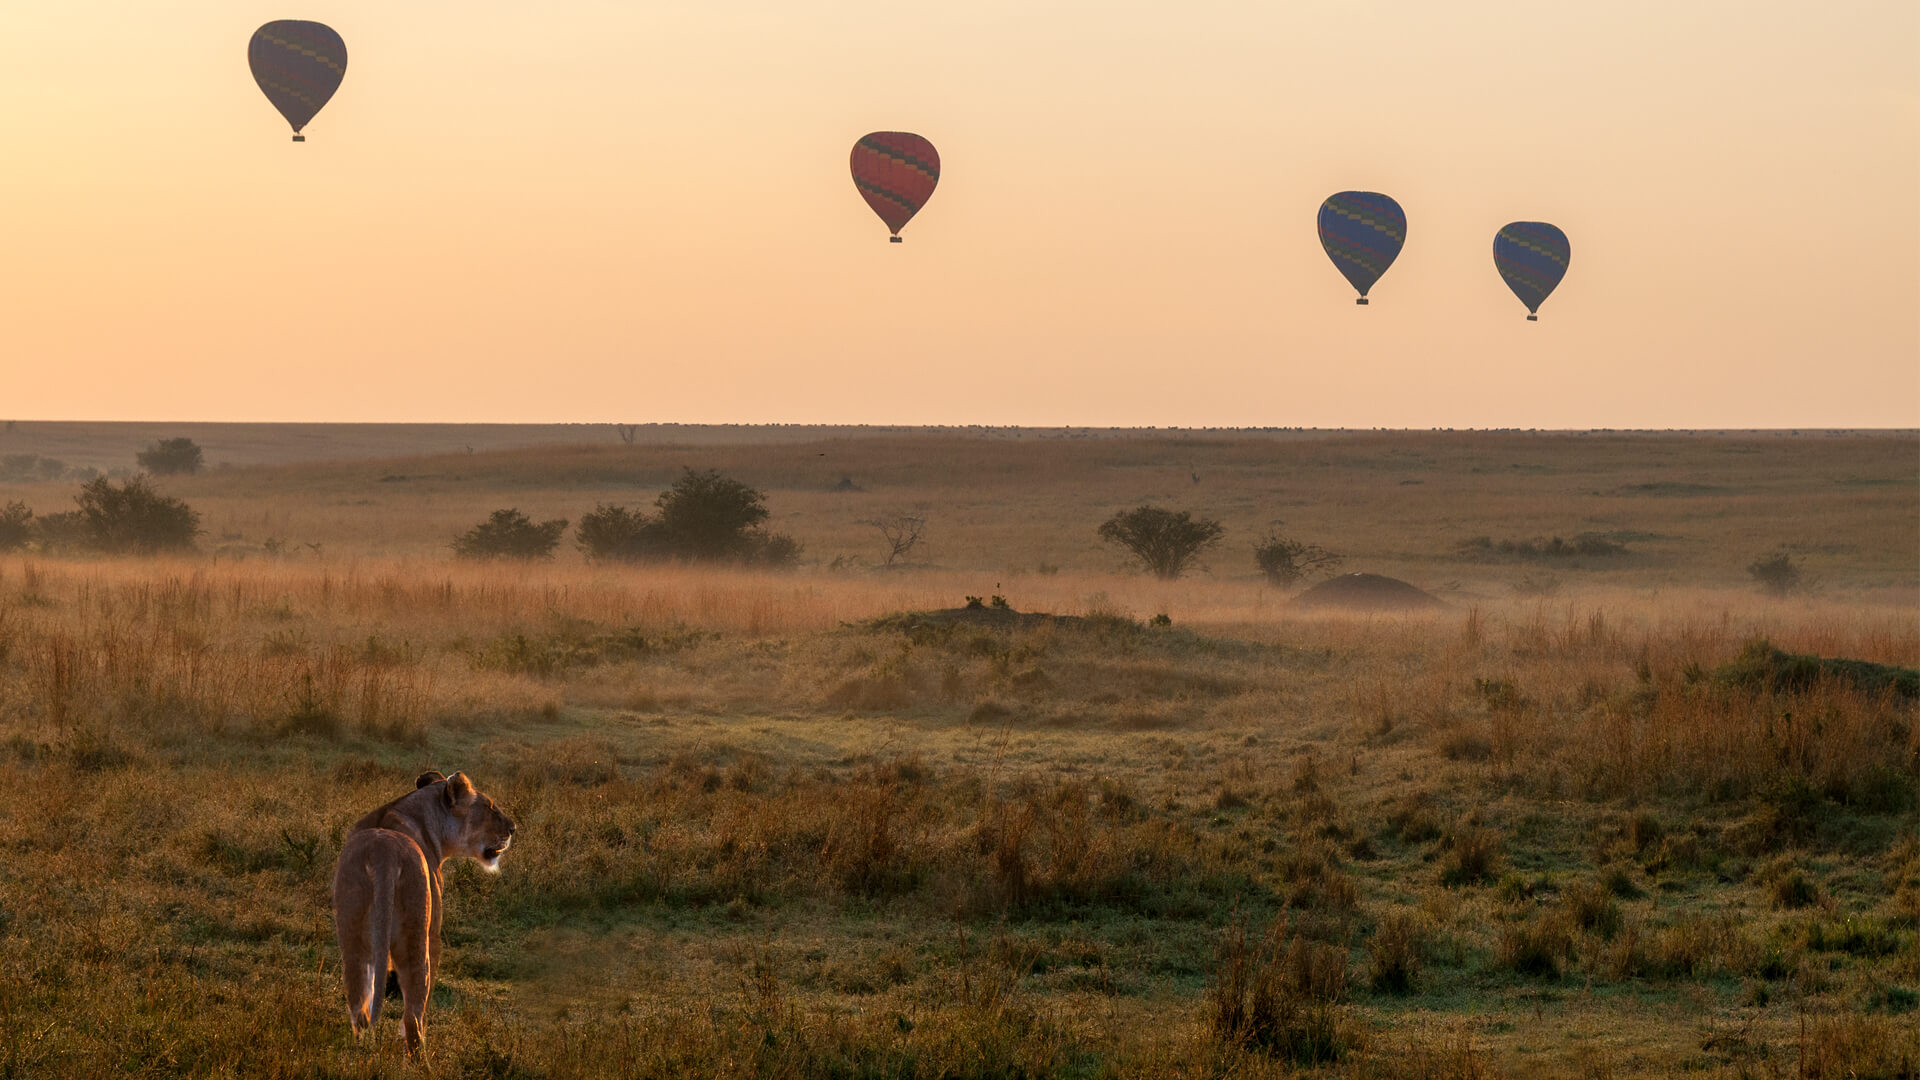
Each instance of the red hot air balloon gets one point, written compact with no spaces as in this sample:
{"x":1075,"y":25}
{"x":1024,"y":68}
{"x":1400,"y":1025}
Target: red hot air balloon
{"x":298,"y":65}
{"x":896,"y":172}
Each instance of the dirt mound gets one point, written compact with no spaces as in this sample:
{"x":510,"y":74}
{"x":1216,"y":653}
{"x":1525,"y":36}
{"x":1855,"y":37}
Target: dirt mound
{"x":1366,"y":592}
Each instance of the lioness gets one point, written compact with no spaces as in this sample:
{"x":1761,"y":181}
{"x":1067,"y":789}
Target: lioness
{"x":386,"y":891}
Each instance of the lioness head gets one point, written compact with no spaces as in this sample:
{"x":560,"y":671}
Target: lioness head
{"x":475,"y":826}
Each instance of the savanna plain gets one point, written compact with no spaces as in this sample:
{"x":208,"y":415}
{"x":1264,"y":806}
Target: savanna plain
{"x":1600,"y":813}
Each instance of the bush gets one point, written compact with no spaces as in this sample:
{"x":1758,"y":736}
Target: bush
{"x":704,"y":515}
{"x":130,"y":519}
{"x":510,"y":534}
{"x":617,"y":534}
{"x":1165,"y":542}
{"x":1286,"y":561}
{"x":16,"y":526}
{"x":171,"y":456}
{"x":1778,"y":573}
{"x":64,"y":531}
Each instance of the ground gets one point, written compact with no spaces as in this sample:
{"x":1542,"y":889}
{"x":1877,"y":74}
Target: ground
{"x":832,"y":822}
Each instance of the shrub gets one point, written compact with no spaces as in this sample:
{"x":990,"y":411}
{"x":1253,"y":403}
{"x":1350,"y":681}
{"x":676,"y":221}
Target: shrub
{"x":510,"y":534}
{"x":171,"y":456}
{"x":1164,"y":541}
{"x":704,"y":515}
{"x":132,"y":518}
{"x":1778,"y":573}
{"x":64,"y":531}
{"x":1286,"y":561}
{"x":777,"y":550}
{"x":16,"y":526}
{"x":617,"y":534}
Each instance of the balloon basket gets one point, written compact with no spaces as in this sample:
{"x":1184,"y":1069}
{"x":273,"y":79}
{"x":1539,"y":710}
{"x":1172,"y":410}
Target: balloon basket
{"x":1362,"y":301}
{"x":1533,"y":318}
{"x":893,"y":240}
{"x":299,"y":138}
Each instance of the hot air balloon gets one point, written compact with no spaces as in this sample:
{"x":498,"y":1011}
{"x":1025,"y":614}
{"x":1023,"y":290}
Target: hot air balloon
{"x":298,"y":65}
{"x":1533,"y":257}
{"x":896,"y":172}
{"x":1362,"y":232}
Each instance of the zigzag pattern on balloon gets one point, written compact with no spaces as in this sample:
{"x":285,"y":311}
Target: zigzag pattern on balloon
{"x":1362,"y":232}
{"x":1532,"y":257}
{"x":896,"y":172}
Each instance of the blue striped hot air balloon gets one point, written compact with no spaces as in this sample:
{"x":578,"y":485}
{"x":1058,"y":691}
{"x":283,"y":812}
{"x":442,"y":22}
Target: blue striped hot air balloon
{"x":1362,"y":232}
{"x":1532,"y":256}
{"x":298,"y":65}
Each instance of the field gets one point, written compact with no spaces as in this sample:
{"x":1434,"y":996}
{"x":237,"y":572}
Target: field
{"x":832,"y":822}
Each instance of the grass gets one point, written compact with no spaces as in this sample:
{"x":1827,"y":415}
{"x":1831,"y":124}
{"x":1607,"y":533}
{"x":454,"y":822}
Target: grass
{"x":777,"y":825}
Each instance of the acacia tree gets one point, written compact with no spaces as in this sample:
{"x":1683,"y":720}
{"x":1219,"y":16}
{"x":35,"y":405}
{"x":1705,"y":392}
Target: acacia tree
{"x":902,"y":533}
{"x":1165,"y":541}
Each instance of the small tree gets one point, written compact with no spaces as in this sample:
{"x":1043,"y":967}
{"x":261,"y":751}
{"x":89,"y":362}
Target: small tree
{"x":1778,"y":573}
{"x":16,"y":526}
{"x":1286,"y":561}
{"x":133,"y":518}
{"x":510,"y":534}
{"x":1164,"y":541}
{"x":171,"y":456}
{"x":902,"y":533}
{"x":617,"y":534}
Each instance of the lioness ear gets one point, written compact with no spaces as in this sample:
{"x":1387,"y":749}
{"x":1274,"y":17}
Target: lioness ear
{"x":459,"y":790}
{"x":431,"y":776}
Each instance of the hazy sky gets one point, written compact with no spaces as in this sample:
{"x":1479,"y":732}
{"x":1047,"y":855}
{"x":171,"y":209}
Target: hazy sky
{"x":615,"y":210}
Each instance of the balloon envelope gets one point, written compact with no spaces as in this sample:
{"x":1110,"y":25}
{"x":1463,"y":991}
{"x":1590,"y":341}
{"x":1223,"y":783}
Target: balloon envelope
{"x":298,"y":65}
{"x":1532,"y":256}
{"x":896,"y":172}
{"x":1362,"y":232}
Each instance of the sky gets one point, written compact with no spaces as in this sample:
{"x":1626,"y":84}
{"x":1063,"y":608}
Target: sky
{"x":602,"y":210}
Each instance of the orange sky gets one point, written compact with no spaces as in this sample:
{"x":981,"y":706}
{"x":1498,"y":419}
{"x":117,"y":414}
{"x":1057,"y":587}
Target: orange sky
{"x":642,"y":212}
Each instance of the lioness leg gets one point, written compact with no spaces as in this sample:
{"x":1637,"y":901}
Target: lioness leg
{"x":410,"y":955}
{"x":363,"y":914}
